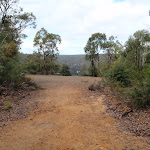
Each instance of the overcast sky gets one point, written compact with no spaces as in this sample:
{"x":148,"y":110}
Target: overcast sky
{"x":76,"y":20}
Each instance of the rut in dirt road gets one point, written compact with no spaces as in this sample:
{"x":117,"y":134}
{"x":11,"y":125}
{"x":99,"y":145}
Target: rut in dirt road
{"x":69,"y":117}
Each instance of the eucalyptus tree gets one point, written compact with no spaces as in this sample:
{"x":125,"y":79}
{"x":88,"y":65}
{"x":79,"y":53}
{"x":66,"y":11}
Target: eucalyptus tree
{"x":95,"y":44}
{"x":136,"y":48}
{"x":112,"y":49}
{"x":47,"y":44}
{"x":13,"y":21}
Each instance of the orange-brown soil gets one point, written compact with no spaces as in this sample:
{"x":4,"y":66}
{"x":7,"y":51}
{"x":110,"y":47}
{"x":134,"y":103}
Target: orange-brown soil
{"x":69,"y":117}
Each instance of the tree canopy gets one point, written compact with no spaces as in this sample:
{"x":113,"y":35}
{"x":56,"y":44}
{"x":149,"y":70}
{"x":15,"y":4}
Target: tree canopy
{"x":94,"y":45}
{"x":13,"y":20}
{"x":47,"y":44}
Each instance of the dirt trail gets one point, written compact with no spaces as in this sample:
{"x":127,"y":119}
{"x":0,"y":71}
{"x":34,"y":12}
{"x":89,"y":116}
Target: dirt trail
{"x":69,"y":118}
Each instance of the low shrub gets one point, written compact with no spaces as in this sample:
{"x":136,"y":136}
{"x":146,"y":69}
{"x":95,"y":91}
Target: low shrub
{"x":65,"y":70}
{"x":141,"y":96}
{"x":93,"y":71}
{"x":98,"y":86}
{"x":119,"y":73}
{"x":8,"y":106}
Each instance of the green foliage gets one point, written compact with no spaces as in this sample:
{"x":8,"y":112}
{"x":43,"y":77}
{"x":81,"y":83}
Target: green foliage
{"x":130,"y":82}
{"x":98,"y":85}
{"x":52,"y":68}
{"x":8,"y":106}
{"x":147,"y":59}
{"x":119,"y":73}
{"x":112,"y":49}
{"x":12,"y":22}
{"x":141,"y":96}
{"x":33,"y":86}
{"x":83,"y":70}
{"x":33,"y":64}
{"x":65,"y":70}
{"x":136,"y":51}
{"x":97,"y":44}
{"x":129,"y":71}
{"x":141,"y":90}
{"x":92,"y":49}
{"x":104,"y":66}
{"x":47,"y":44}
{"x":10,"y":70}
{"x":93,"y":71}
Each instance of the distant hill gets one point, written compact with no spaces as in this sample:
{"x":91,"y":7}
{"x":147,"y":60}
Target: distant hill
{"x":75,"y":62}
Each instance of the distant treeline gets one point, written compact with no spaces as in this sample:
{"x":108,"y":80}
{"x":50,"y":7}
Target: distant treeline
{"x":75,"y":62}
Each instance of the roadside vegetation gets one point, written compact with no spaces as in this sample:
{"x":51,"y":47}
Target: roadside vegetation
{"x":65,"y":70}
{"x":13,"y":21}
{"x":126,"y":68}
{"x":15,"y":87}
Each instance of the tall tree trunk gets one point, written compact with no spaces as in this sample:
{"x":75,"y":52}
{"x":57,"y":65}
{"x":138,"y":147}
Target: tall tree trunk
{"x":44,"y":64}
{"x":92,"y":64}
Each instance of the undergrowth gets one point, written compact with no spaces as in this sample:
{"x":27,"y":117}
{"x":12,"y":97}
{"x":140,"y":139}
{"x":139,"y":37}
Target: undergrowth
{"x":8,"y":106}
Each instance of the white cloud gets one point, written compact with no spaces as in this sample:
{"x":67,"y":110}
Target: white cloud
{"x":76,"y":20}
